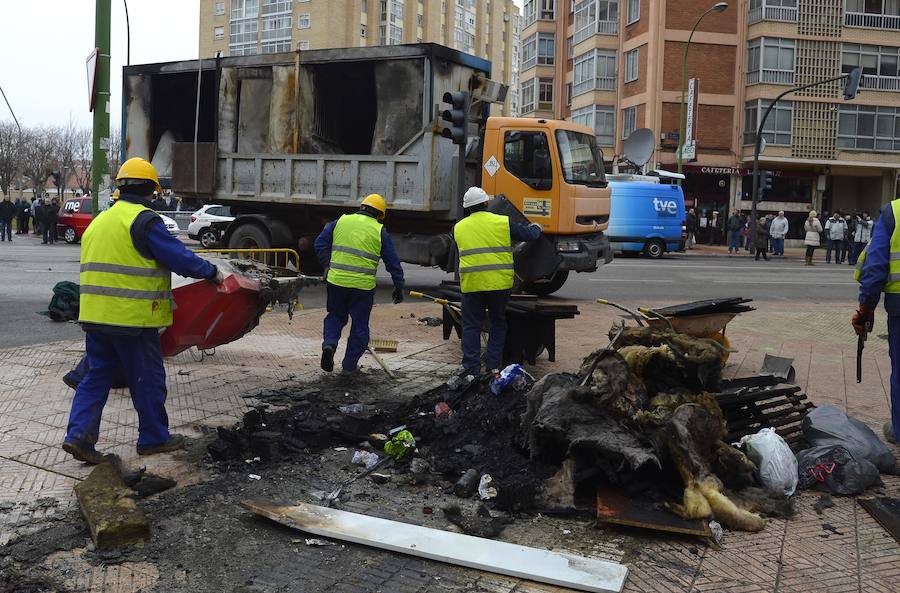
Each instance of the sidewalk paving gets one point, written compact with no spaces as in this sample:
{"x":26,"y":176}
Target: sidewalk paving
{"x":36,"y":477}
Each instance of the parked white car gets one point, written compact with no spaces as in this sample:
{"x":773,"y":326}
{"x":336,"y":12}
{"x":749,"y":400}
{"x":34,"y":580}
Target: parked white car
{"x":207,"y":224}
{"x":171,"y":225}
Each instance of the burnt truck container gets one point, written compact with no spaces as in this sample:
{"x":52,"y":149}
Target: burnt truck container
{"x":292,"y":140}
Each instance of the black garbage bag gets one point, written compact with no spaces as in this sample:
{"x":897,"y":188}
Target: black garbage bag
{"x":64,"y":303}
{"x":829,"y":426}
{"x":834,"y":469}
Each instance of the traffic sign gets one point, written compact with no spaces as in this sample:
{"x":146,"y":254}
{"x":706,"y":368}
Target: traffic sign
{"x":91,"y":64}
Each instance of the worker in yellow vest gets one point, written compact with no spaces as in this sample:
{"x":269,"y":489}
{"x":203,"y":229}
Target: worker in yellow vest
{"x":486,"y":277}
{"x":127,"y":260}
{"x":878,"y":271}
{"x":350,"y":248}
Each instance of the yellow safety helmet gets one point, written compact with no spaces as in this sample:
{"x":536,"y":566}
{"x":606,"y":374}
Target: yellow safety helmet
{"x":377,"y":202}
{"x":137,"y":170}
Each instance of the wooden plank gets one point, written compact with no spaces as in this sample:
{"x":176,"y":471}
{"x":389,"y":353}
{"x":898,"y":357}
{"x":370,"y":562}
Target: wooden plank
{"x":886,"y":511}
{"x":544,"y":566}
{"x":616,"y":508}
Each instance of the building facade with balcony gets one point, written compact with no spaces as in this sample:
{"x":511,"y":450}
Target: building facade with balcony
{"x":486,"y":28}
{"x":616,"y":65}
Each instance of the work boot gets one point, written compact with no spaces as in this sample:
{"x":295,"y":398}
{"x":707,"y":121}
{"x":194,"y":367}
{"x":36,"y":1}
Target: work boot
{"x":888,"y":430}
{"x":175,"y":442}
{"x":69,"y":379}
{"x":327,"y":358}
{"x":88,"y":455}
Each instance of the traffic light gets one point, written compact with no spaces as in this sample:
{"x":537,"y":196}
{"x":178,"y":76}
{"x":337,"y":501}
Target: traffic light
{"x":766,"y":178}
{"x":851,"y":86}
{"x":455,"y":116}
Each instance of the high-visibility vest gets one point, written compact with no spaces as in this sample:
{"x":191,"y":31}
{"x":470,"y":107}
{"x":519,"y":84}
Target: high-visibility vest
{"x":355,"y":251}
{"x":485,"y":252}
{"x":119,"y":286}
{"x":892,"y":285}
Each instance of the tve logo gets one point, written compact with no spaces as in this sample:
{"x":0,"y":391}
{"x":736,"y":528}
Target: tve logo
{"x":665,"y":207}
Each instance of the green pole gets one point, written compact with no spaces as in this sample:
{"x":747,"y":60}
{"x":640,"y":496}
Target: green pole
{"x":99,"y":174}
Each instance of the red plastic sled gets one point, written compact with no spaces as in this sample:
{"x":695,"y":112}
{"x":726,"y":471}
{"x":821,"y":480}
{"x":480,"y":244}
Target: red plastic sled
{"x":207,"y":315}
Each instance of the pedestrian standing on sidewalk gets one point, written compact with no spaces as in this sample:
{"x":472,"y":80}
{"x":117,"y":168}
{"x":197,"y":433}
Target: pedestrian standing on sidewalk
{"x":761,"y":239}
{"x":486,"y":277}
{"x":24,"y":216}
{"x":7,"y":213}
{"x":350,"y":248}
{"x":862,"y":236}
{"x":715,"y":229}
{"x":692,"y":225}
{"x":849,"y":234}
{"x":127,"y":260}
{"x":813,"y":229}
{"x":46,"y":218}
{"x":734,"y":226}
{"x":778,"y":230}
{"x":876,"y":271}
{"x":835,"y":229}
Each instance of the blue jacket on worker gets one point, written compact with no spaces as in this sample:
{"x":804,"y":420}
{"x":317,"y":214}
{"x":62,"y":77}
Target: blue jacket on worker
{"x":487,"y":276}
{"x":127,"y":258}
{"x":878,"y":270}
{"x":350,"y":249}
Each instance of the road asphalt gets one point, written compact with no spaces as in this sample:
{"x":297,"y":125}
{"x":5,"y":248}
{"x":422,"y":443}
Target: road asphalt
{"x":29,"y":270}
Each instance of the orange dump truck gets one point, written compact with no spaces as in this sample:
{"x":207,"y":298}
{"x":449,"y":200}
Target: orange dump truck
{"x":292,"y":140}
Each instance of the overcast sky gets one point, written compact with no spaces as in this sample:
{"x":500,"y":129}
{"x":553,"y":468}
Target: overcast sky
{"x":45,"y":43}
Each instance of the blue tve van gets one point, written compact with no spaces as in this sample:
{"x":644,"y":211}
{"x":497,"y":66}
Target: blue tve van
{"x":646,"y":216}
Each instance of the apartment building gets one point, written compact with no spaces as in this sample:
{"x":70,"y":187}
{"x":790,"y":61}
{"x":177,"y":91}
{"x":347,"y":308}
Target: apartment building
{"x":616,"y":65}
{"x":486,"y":28}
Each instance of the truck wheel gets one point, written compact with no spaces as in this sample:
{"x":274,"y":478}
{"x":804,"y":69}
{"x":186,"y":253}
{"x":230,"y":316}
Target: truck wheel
{"x":208,"y":238}
{"x":69,"y":235}
{"x":554,"y":283}
{"x":249,"y":236}
{"x":655,"y":249}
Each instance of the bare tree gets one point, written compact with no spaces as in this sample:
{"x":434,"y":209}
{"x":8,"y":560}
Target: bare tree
{"x":82,"y":164}
{"x":112,"y":155}
{"x":41,"y":155}
{"x":10,"y":156}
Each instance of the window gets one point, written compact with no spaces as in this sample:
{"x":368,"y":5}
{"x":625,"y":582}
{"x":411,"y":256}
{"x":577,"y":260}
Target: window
{"x":579,"y":159}
{"x":527,"y":156}
{"x":243,"y":36}
{"x":773,"y":10}
{"x":273,"y":47}
{"x":779,"y":124}
{"x":585,"y":19}
{"x":539,"y":48}
{"x":219,"y":33}
{"x":528,"y":96}
{"x":545,"y":94}
{"x":303,"y":21}
{"x":602,"y":118}
{"x":244,"y":9}
{"x":548,"y":10}
{"x":595,"y":69}
{"x":879,"y":64}
{"x":277,"y":7}
{"x":629,"y":121}
{"x":770,"y":60}
{"x":862,"y":127}
{"x":885,"y":7}
{"x":303,"y":44}
{"x":634,"y":11}
{"x":632,"y":60}
{"x":220,"y":8}
{"x":362,"y":30}
{"x":530,"y":12}
{"x":277,"y":28}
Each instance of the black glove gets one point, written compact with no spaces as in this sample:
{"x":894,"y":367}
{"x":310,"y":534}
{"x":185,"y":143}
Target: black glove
{"x":398,"y":295}
{"x":863,"y":319}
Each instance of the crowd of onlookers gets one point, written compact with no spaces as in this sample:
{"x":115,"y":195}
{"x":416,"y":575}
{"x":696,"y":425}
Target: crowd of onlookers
{"x":40,"y":214}
{"x":843,"y":236}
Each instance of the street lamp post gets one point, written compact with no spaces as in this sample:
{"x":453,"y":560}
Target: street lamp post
{"x":718,"y":7}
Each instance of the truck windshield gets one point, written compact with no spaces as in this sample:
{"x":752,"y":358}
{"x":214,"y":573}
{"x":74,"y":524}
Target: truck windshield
{"x":580,"y":158}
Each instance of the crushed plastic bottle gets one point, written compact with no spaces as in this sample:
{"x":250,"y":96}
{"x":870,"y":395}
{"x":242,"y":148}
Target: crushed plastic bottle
{"x":512,"y":377}
{"x":485,"y":489}
{"x":717,"y":532}
{"x":366,"y":458}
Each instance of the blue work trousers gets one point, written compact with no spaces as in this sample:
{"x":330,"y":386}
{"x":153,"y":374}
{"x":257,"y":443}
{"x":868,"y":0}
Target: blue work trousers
{"x":6,"y":229}
{"x":474,"y":307}
{"x":777,"y":246}
{"x":343,"y":304}
{"x":140,"y":356}
{"x":734,"y":241}
{"x":894,"y":349}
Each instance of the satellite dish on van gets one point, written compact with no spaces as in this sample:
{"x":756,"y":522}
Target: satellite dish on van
{"x":639,"y":146}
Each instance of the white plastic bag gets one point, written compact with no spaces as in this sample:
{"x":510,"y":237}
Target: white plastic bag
{"x":775,"y":460}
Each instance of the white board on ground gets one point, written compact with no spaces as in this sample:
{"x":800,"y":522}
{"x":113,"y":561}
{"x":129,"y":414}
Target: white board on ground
{"x":543,"y":566}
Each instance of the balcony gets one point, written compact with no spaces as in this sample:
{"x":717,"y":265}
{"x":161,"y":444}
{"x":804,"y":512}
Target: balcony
{"x":770,"y":77}
{"x":880,"y":83}
{"x":607,"y":27}
{"x":598,"y":28}
{"x":872,"y":21}
{"x":779,"y":14}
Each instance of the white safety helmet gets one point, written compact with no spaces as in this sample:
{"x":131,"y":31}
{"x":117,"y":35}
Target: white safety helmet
{"x":475,"y":196}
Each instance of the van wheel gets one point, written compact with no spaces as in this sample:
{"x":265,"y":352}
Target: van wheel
{"x":69,"y":235}
{"x":542,"y":289}
{"x":208,"y":238}
{"x":249,"y":236}
{"x":654,"y":249}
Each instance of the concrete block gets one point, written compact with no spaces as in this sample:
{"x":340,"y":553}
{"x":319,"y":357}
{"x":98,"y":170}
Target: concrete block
{"x":110,"y":511}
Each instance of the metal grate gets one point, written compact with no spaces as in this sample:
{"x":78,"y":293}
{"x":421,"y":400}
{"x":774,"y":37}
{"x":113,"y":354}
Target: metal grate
{"x":815,"y":130}
{"x":818,"y":60}
{"x":823,"y":18}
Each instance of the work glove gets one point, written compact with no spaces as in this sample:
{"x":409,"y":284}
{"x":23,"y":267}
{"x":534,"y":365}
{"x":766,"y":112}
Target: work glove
{"x":398,"y":295}
{"x":863,"y":319}
{"x":537,"y":226}
{"x":218,"y":277}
